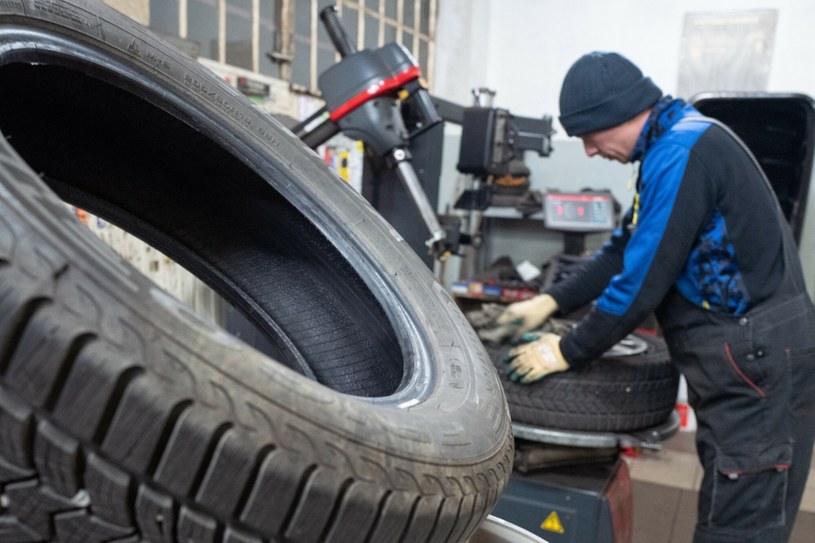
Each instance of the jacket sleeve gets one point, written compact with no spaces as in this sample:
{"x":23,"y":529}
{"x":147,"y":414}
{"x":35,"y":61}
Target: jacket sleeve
{"x":675,"y":203}
{"x":589,"y":281}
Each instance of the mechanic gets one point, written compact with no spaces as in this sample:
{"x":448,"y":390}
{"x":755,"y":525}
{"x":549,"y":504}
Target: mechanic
{"x":704,"y":247}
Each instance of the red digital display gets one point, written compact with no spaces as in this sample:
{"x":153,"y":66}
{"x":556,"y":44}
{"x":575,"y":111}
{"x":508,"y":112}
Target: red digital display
{"x":579,"y":211}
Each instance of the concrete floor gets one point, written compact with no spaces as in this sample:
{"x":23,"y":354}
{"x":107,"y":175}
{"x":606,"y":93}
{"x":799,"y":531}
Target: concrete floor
{"x":665,"y":488}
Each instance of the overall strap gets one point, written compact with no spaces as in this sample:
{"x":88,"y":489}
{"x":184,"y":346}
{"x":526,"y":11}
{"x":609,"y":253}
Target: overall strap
{"x":791,"y":261}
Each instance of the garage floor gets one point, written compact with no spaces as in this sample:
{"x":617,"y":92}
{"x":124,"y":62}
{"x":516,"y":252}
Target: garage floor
{"x":665,"y":488}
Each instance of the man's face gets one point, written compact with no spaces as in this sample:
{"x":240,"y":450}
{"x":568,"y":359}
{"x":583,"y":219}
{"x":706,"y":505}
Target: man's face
{"x":612,"y":143}
{"x":615,"y":143}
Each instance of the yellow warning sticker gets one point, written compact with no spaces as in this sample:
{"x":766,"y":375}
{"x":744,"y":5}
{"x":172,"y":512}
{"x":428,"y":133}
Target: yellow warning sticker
{"x":552,"y":523}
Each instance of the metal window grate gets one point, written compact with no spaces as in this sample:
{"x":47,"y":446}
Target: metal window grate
{"x":285,"y":39}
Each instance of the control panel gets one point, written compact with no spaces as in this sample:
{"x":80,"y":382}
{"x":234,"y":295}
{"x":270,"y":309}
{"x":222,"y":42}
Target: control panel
{"x":579,"y":211}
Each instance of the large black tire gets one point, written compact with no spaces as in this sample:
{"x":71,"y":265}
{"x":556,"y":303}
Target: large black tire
{"x":611,"y":394}
{"x":125,"y":417}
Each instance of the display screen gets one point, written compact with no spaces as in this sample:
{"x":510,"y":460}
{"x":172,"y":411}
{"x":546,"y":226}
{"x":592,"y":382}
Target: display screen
{"x":579,"y":211}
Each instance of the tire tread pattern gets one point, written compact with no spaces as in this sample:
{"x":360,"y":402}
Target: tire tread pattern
{"x":611,"y":394}
{"x":97,"y":426}
{"x":99,"y":408}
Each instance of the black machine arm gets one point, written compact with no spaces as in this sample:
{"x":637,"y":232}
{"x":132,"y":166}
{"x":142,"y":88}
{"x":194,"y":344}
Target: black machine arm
{"x":366,"y":93}
{"x":342,"y":43}
{"x":378,"y":96}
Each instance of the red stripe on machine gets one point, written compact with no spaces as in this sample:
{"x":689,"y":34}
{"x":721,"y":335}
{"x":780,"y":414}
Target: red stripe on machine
{"x":377,"y":89}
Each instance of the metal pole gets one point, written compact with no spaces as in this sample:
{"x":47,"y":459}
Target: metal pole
{"x":411,"y":182}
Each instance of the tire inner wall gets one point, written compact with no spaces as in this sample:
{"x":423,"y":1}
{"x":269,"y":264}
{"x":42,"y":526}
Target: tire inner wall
{"x":118,"y":156}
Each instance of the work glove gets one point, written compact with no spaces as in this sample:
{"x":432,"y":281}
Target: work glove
{"x":529,"y":314}
{"x":534,"y":361}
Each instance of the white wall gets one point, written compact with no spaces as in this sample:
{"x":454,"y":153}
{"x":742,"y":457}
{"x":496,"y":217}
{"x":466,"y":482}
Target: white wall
{"x":523,"y":48}
{"x":462,"y":40}
{"x":138,"y":10}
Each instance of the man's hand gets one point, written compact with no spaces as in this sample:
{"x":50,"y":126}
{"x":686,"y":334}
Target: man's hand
{"x":534,"y":361}
{"x":529,"y":314}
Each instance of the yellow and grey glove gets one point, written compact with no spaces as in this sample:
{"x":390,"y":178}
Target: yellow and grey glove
{"x":529,"y":314}
{"x":534,"y":361}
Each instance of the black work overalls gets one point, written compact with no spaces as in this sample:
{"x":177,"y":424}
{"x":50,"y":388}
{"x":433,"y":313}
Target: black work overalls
{"x":751,"y":382}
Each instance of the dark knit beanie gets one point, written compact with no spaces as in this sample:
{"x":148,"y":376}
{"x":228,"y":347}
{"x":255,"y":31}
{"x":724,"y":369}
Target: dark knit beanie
{"x":602,"y":90}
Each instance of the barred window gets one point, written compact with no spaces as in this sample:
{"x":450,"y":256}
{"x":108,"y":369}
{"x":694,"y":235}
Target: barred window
{"x":286,"y":39}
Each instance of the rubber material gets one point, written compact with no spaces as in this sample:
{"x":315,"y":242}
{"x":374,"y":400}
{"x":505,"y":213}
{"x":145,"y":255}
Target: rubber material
{"x":123,"y":415}
{"x":611,"y":394}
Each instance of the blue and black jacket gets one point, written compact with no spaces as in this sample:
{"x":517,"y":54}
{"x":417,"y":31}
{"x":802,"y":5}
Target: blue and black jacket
{"x":704,"y":225}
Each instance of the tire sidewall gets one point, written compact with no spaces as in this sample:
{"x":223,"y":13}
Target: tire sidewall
{"x":451,"y":389}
